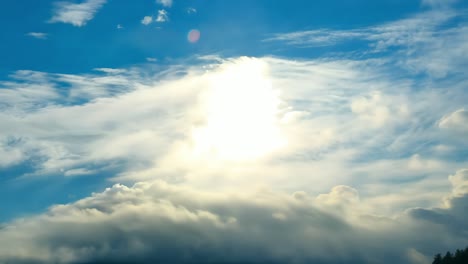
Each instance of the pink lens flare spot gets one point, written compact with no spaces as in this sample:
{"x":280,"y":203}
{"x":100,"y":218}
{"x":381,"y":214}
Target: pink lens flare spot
{"x":193,"y":36}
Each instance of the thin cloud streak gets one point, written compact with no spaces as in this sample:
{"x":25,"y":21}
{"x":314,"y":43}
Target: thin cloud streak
{"x":38,"y":35}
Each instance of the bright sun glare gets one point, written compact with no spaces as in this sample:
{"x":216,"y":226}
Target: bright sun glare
{"x":241,"y":114}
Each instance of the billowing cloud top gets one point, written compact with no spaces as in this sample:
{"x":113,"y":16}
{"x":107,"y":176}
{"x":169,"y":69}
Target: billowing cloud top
{"x":153,"y":222}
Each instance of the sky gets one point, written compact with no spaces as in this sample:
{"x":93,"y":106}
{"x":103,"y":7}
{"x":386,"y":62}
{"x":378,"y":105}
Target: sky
{"x":221,"y":131}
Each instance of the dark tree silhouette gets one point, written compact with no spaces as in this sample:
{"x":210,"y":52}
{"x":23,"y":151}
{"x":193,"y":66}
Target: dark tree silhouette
{"x":460,"y":257}
{"x":437,"y":259}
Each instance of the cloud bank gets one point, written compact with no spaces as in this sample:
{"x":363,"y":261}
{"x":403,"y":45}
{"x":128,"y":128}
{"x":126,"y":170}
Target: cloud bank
{"x":154,"y":222}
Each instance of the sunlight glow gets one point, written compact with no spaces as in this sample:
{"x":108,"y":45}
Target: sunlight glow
{"x":241,"y":114}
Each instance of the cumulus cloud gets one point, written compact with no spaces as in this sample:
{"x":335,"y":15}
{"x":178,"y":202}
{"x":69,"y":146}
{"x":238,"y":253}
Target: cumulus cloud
{"x":158,"y":222}
{"x":147,"y":20}
{"x":163,"y":16}
{"x":340,"y":196}
{"x":76,"y":14}
{"x":459,"y":183}
{"x":452,"y":217}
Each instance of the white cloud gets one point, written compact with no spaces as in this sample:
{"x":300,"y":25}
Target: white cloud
{"x":163,"y":16}
{"x":459,"y":183}
{"x":456,"y":121}
{"x":341,"y":199}
{"x":412,"y":30}
{"x":191,"y":10}
{"x":76,"y":14}
{"x":11,"y":154}
{"x":313,"y":38}
{"x":150,"y":59}
{"x":165,"y":3}
{"x":147,"y":20}
{"x":438,"y":3}
{"x":380,"y":110}
{"x":78,"y":172}
{"x":119,"y":26}
{"x":38,"y":35}
{"x":110,"y":70}
{"x":152,"y":116}
{"x":417,"y":41}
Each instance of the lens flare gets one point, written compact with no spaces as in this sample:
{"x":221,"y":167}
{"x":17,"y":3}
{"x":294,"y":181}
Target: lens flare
{"x":193,"y":36}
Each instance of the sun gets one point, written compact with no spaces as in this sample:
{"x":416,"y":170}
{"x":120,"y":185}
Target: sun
{"x":241,"y":110}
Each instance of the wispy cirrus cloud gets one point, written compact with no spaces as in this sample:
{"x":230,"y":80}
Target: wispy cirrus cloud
{"x":438,"y":3}
{"x":319,"y":37}
{"x":398,"y":33}
{"x":38,"y":35}
{"x":417,"y":39}
{"x":76,"y":14}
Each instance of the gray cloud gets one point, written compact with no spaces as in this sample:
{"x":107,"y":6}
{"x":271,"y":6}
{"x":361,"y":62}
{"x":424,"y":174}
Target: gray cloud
{"x":154,"y":222}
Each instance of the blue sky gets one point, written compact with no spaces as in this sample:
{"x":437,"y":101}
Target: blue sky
{"x":341,"y":125}
{"x":233,"y":28}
